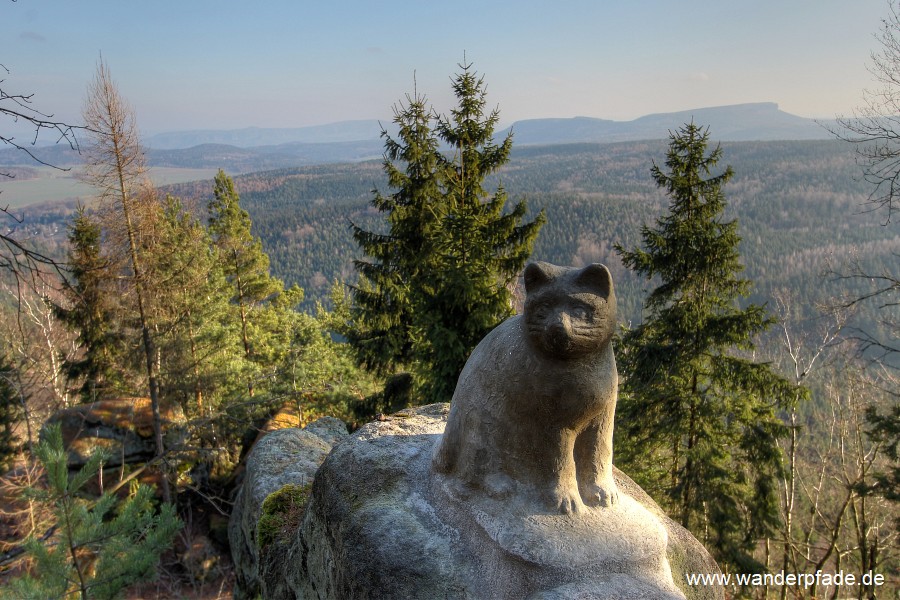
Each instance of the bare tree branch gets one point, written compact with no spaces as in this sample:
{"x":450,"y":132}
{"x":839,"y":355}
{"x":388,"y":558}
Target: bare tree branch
{"x":24,"y":263}
{"x":883,"y":292}
{"x":19,"y":108}
{"x":875,"y":127}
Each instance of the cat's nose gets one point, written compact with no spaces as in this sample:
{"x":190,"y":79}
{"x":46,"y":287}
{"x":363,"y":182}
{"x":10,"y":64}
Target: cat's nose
{"x":562,"y":324}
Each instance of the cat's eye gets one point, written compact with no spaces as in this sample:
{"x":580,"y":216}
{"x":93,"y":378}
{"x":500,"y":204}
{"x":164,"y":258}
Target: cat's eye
{"x":580,"y":313}
{"x":538,"y":311}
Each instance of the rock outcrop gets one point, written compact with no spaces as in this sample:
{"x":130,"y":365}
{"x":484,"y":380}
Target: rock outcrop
{"x":380,"y":524}
{"x":507,"y":493}
{"x":123,"y":426}
{"x":286,"y":457}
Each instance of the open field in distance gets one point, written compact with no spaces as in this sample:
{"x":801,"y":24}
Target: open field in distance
{"x":52,"y":185}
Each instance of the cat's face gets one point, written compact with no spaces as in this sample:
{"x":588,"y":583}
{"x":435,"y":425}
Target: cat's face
{"x":569,"y":312}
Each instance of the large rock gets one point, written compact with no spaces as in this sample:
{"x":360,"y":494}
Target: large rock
{"x":381,"y":524}
{"x":280,"y":458}
{"x":510,"y":493}
{"x":123,"y":426}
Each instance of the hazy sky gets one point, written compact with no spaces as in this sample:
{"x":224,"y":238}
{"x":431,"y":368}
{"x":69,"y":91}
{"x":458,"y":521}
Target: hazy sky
{"x":196,"y":64}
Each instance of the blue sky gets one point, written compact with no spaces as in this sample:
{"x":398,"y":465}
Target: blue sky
{"x":197,"y":64}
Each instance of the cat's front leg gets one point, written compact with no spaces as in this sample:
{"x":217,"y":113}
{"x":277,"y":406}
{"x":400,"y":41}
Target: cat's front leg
{"x":548,"y":476}
{"x":593,"y":459}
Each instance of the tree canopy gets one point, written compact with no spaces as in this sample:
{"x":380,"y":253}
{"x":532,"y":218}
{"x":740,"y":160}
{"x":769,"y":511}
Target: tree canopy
{"x":438,"y":278}
{"x":697,"y":420}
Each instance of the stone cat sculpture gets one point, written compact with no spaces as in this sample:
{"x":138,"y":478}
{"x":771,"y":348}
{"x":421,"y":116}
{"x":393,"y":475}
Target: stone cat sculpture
{"x":532,"y":416}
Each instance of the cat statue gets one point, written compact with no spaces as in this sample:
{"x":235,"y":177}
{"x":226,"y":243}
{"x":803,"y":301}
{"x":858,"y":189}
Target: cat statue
{"x":531,"y":420}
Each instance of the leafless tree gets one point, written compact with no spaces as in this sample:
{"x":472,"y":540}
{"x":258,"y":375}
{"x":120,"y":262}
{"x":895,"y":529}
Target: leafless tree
{"x":804,"y":350}
{"x":874,"y":129}
{"x":34,"y":374}
{"x":875,"y":126}
{"x":837,"y":525}
{"x":38,"y":346}
{"x":115,"y":166}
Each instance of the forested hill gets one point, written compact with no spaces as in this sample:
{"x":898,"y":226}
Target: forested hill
{"x":798,"y":203}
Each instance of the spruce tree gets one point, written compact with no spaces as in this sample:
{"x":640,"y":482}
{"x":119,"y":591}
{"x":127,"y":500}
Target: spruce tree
{"x":478,"y":248}
{"x":245,"y":264}
{"x":91,"y":311}
{"x":383,"y":312}
{"x":697,"y":420}
{"x":439,"y":275}
{"x":884,"y":428}
{"x":11,"y":413}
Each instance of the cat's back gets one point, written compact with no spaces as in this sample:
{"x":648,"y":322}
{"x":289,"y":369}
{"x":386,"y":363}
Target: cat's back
{"x":484,"y":394}
{"x":500,"y":355}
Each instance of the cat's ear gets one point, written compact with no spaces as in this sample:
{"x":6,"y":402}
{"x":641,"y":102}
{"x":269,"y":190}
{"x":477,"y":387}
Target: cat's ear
{"x":596,"y":277}
{"x":536,"y":275}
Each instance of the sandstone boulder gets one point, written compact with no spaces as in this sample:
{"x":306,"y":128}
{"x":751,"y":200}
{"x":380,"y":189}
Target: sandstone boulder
{"x":123,"y":426}
{"x":380,"y":524}
{"x":280,"y":458}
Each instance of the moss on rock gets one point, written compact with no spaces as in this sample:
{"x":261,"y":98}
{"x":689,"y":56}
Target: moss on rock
{"x":281,"y":513}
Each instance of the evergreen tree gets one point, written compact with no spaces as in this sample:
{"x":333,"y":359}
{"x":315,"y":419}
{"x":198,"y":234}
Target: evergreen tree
{"x":697,"y":421}
{"x":104,"y":545}
{"x":192,"y":316}
{"x":885,"y":430}
{"x":438,"y":281}
{"x":245,"y":264}
{"x":383,"y":313}
{"x":272,"y":331}
{"x":91,"y":312}
{"x":478,"y":250}
{"x":11,"y":412}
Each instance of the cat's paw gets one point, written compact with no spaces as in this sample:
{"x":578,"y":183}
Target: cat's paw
{"x":498,"y":486}
{"x":565,"y":503}
{"x":600,"y":495}
{"x":456,"y":489}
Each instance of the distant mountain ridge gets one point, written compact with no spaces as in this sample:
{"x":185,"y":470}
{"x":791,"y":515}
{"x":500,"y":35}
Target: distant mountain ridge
{"x":256,"y":149}
{"x":760,"y":121}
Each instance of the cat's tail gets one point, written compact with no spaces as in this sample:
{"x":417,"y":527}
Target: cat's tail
{"x":446,"y":450}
